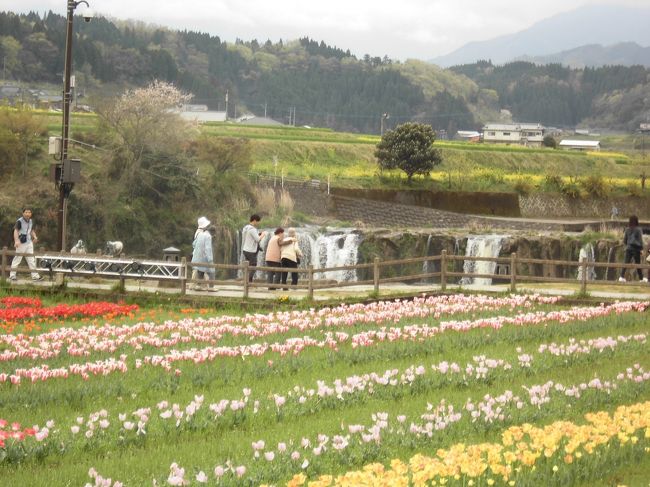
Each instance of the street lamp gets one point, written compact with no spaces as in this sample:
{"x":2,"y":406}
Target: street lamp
{"x":67,"y":171}
{"x":384,"y":116}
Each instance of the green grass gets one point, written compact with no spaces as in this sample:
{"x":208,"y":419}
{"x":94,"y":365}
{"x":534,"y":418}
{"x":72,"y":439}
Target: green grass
{"x":204,"y":443}
{"x":347,"y":159}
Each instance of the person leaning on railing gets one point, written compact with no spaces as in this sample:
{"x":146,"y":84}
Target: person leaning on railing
{"x":291,"y":255}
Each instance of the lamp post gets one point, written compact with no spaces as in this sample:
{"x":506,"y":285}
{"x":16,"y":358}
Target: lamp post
{"x":384,"y":116}
{"x":67,"y":171}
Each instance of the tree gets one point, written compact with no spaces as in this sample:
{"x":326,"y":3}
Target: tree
{"x":21,"y":133}
{"x":148,"y":134}
{"x":410,"y":148}
{"x":549,"y":141}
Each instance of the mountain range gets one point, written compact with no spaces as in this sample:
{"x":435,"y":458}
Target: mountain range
{"x":604,"y":25}
{"x":595,"y":55}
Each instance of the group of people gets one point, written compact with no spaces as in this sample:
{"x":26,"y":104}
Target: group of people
{"x":282,"y":252}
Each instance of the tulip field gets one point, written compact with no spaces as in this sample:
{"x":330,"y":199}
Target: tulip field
{"x":459,"y":390}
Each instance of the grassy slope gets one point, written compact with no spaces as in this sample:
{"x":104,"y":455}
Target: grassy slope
{"x":349,"y":161}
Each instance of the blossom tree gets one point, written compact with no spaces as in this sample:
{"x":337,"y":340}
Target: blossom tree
{"x":148,"y":138}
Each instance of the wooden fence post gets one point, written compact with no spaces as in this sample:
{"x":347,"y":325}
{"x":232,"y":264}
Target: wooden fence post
{"x":583,"y":280}
{"x":183,"y":276}
{"x":375,"y":275}
{"x":310,"y":276}
{"x":245,"y":276}
{"x":4,"y":263}
{"x":513,"y":272}
{"x":443,"y":270}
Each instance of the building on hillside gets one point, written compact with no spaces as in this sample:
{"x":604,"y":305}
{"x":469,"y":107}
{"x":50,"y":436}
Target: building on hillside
{"x":586,"y":145}
{"x":202,"y":116}
{"x":11,"y":93}
{"x":528,"y":134}
{"x":468,"y":135}
{"x":257,"y":120}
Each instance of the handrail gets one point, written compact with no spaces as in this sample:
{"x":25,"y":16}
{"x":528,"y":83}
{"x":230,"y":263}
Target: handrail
{"x":445,"y":270}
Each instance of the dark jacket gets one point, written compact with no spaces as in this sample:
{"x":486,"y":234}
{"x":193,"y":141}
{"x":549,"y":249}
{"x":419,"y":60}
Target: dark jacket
{"x":633,"y":238}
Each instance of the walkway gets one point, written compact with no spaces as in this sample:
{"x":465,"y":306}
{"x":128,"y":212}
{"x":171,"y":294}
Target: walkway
{"x":629,"y":291}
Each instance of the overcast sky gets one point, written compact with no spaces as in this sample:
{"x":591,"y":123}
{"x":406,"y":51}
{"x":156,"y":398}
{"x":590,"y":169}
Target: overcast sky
{"x":403,"y":29}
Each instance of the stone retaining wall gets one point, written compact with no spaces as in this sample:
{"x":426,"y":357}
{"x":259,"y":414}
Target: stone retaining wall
{"x":546,"y":205}
{"x":381,"y":214}
{"x":348,"y":205}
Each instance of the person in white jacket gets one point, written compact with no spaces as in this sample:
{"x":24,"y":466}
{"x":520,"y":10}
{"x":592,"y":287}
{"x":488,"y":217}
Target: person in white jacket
{"x":290,"y":256}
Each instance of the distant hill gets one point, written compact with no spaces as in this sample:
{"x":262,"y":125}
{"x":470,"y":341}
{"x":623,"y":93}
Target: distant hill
{"x":598,"y":24}
{"x":320,"y":85}
{"x":595,"y":55}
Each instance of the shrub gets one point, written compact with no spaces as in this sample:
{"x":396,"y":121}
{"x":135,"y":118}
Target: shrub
{"x":266,"y":200}
{"x":633,"y":188}
{"x":553,"y":182}
{"x":595,"y":186}
{"x":523,"y":186}
{"x":571,"y":189}
{"x":549,"y":141}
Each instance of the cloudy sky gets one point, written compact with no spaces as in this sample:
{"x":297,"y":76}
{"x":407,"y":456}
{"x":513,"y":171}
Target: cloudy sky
{"x":400,"y":29}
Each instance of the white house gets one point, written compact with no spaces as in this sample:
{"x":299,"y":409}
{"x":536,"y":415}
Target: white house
{"x":529,"y":134}
{"x":468,"y":135}
{"x":201,"y":116}
{"x":590,"y":145}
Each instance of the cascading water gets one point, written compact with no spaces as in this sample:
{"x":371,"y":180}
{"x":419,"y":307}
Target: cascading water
{"x":587,"y":253}
{"x":333,"y":248}
{"x":481,"y":246}
{"x":428,"y":265}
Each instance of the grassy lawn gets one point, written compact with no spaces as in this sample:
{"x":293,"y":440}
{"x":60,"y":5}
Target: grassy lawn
{"x":263,"y":397}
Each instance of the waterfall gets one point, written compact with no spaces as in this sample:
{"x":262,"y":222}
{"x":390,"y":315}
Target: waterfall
{"x":481,"y":246}
{"x":333,"y":249}
{"x":428,"y":266}
{"x":587,"y":252}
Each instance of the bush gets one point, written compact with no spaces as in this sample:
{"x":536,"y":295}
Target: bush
{"x":595,"y":186}
{"x":549,"y":141}
{"x":633,"y":188}
{"x":572,"y":189}
{"x":523,"y":186}
{"x":553,"y":182}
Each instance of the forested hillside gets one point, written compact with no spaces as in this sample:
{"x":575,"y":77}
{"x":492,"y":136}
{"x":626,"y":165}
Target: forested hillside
{"x":608,"y":97}
{"x":324,"y":85}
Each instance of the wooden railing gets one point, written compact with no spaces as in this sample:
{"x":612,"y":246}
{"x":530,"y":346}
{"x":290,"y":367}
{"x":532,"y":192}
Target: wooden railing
{"x":377,"y":273}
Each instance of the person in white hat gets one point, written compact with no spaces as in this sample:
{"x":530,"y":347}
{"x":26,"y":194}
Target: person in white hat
{"x":202,"y":251}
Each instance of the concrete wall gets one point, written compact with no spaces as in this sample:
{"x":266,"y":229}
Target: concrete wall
{"x":475,"y":203}
{"x":557,"y":206}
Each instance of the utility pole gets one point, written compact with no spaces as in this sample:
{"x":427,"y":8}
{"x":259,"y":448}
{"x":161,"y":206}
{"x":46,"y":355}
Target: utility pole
{"x":226,"y":104}
{"x":264,"y":109}
{"x":67,"y":171}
